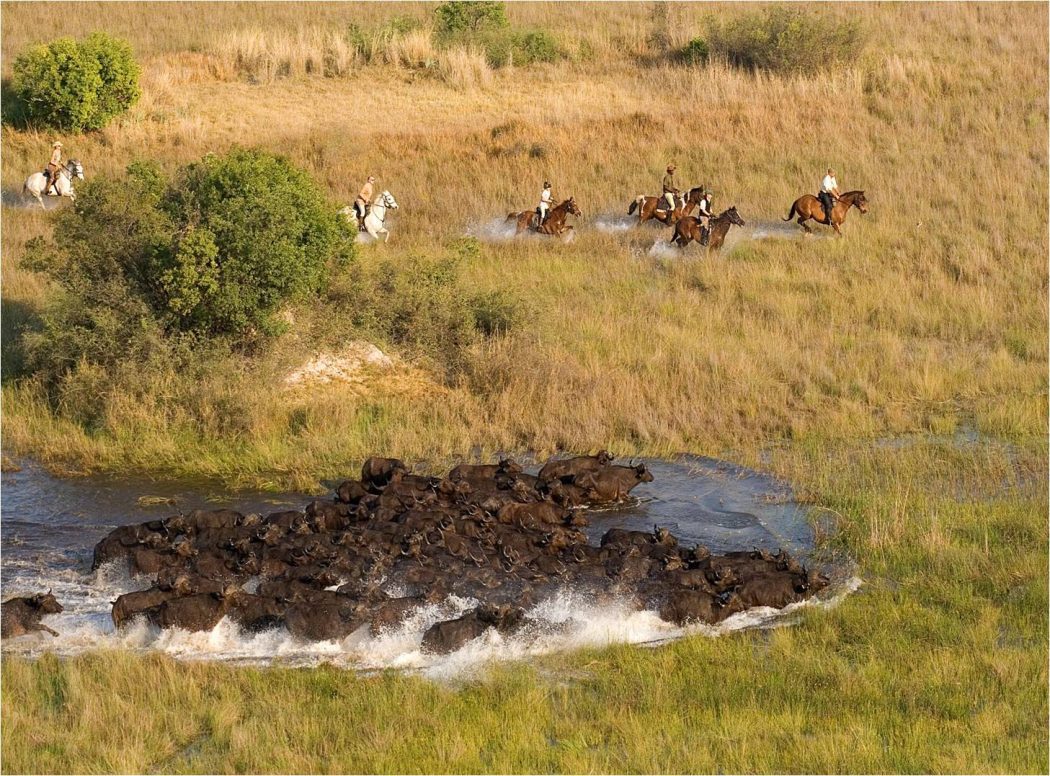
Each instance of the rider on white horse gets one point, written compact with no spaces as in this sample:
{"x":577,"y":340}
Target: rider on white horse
{"x":375,"y":221}
{"x":51,"y":171}
{"x":364,"y":198}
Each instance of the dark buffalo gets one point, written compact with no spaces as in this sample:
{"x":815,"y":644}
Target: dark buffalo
{"x":451,"y":635}
{"x":19,"y":616}
{"x":614,"y":483}
{"x":567,"y":469}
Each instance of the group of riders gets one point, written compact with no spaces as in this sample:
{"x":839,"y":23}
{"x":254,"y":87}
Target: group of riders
{"x":672,"y":196}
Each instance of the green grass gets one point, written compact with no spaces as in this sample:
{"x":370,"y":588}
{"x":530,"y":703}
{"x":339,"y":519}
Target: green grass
{"x":929,"y":318}
{"x":938,"y":664}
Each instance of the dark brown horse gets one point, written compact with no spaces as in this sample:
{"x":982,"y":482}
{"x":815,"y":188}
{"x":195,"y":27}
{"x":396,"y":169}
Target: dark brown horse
{"x":554,"y":225}
{"x":688,"y":229}
{"x":807,"y":206}
{"x":650,"y":207}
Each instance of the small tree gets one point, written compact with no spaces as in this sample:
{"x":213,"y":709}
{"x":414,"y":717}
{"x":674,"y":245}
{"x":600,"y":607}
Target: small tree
{"x":254,"y":231}
{"x":473,"y":16}
{"x":76,"y":86}
{"x":145,"y":261}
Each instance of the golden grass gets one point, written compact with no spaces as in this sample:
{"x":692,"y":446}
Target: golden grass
{"x":938,"y":664}
{"x":928,"y":319}
{"x":929,"y":314}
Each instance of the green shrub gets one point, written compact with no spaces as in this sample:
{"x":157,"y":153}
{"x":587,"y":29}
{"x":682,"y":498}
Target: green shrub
{"x":695,"y":52}
{"x":414,"y":302}
{"x":495,"y":312}
{"x":470,"y":16}
{"x":498,"y":46}
{"x":535,"y":46}
{"x":253,"y":232}
{"x":786,"y":39}
{"x":148,"y":266}
{"x":76,"y":86}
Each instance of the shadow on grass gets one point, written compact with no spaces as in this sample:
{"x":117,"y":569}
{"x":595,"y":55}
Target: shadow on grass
{"x":12,"y":108}
{"x":16,"y":318}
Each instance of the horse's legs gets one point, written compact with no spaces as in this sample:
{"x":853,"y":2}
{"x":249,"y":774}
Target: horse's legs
{"x":802,"y":223}
{"x":386,"y":232}
{"x":836,"y":228}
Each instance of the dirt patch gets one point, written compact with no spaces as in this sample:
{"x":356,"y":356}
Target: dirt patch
{"x":362,"y":368}
{"x":348,"y":366}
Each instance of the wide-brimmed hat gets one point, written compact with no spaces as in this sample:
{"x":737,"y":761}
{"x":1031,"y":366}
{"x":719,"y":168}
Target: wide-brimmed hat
{"x":57,"y":144}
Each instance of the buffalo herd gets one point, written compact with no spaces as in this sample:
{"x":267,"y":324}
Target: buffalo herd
{"x":393,"y":541}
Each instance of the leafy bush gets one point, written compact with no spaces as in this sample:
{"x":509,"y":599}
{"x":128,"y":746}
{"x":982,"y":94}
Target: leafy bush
{"x":76,"y":86}
{"x":253,"y":232}
{"x":695,"y":52}
{"x":786,"y":39}
{"x":495,"y":312}
{"x":148,"y":266}
{"x":470,"y":16}
{"x":535,"y":46}
{"x":414,"y":302}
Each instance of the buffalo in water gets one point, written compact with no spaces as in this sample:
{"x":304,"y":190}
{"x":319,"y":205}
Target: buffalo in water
{"x":19,"y":616}
{"x":392,"y":541}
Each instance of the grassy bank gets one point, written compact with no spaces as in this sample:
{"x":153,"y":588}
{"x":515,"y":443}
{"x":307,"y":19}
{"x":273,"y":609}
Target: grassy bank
{"x":801,"y":356}
{"x":938,"y":664}
{"x":930,"y":313}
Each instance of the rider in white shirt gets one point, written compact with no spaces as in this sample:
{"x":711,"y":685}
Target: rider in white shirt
{"x":545,"y":201}
{"x":704,"y":208}
{"x":829,"y":193}
{"x":703,"y":211}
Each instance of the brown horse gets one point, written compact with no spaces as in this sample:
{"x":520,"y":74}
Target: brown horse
{"x":554,"y":225}
{"x":807,"y":206}
{"x":650,"y":207}
{"x":688,"y":229}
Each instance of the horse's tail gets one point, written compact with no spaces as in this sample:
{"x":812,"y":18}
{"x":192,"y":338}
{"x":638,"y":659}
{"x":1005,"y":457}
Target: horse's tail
{"x":633,"y":207}
{"x":794,"y":206}
{"x":512,"y":216}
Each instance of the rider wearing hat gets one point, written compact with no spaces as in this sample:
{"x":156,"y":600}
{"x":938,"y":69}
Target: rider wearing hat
{"x":670,"y":190}
{"x":364,"y":197}
{"x":51,"y":171}
{"x":545,"y":202}
{"x":829,"y":193}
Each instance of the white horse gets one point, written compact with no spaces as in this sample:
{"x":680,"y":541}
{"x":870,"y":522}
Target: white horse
{"x":37,"y":184}
{"x":374,"y":221}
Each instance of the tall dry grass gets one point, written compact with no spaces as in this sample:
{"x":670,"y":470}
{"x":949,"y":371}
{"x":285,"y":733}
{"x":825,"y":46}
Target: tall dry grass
{"x":266,"y":56}
{"x":927,"y":319}
{"x":929,"y":315}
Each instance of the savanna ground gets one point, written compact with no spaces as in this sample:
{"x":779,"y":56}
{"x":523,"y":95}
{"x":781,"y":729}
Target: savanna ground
{"x":857,"y":369}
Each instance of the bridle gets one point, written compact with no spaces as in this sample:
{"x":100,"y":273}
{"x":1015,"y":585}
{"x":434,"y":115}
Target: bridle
{"x":386,"y":201}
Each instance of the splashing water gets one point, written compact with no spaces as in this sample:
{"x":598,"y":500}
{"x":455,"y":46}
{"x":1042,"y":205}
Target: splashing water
{"x":494,"y":230}
{"x":615,"y":224}
{"x":50,"y":527}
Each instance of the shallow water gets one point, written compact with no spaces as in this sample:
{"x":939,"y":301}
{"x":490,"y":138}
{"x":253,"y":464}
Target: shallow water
{"x":49,"y":526}
{"x":13,"y":198}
